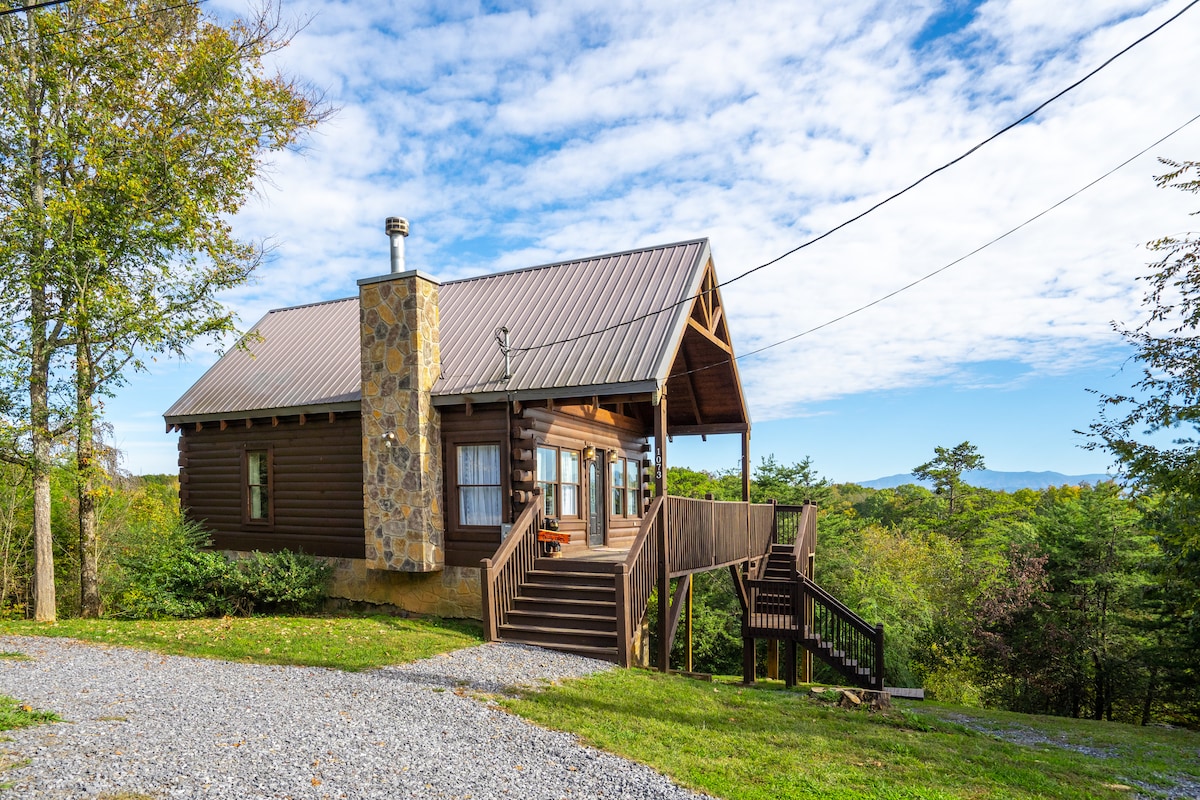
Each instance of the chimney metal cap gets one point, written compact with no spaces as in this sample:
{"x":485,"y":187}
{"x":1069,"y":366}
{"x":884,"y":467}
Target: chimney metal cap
{"x":396,"y":225}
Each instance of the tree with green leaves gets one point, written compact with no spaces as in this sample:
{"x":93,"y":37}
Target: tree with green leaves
{"x":129,"y":135}
{"x":946,"y":468}
{"x":1153,"y":432}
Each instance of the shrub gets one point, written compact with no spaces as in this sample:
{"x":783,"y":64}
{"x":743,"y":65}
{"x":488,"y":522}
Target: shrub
{"x":168,"y":573}
{"x":283,"y":582}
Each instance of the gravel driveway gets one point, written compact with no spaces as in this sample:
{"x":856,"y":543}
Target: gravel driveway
{"x":174,"y":727}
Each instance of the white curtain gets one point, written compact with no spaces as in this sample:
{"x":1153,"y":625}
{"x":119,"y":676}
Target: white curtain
{"x":570,"y":483}
{"x":479,"y":484}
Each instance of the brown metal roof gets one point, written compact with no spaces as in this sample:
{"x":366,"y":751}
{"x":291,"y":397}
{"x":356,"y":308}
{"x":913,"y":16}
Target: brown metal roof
{"x":560,"y":304}
{"x":302,"y":358}
{"x":308,"y":356}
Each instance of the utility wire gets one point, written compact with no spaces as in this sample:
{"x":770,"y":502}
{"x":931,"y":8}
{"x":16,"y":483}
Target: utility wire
{"x":878,"y":205}
{"x":953,"y":263}
{"x":103,"y":22}
{"x":31,"y":7}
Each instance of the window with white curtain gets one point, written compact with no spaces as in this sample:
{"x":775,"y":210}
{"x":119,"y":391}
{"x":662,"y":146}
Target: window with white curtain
{"x":479,"y":499}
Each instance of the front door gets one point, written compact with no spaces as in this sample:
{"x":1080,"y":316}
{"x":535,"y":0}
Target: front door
{"x":595,"y":501}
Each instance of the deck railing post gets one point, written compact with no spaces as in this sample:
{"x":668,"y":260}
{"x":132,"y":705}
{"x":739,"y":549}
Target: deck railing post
{"x":774,"y":521}
{"x":488,"y":598}
{"x":624,"y":634}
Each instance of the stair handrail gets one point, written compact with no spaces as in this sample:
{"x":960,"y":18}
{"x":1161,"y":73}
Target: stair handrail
{"x":806,"y":534}
{"x":501,"y":575}
{"x":636,"y":577}
{"x":871,"y":657}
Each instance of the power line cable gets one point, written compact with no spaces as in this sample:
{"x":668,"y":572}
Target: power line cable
{"x":953,"y":263}
{"x":104,"y":22}
{"x":32,"y":7}
{"x":878,"y":205}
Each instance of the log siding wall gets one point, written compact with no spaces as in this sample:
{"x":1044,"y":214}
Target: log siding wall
{"x":316,"y":490}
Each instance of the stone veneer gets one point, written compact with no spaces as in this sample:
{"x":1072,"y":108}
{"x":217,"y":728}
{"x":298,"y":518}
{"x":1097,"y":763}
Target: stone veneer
{"x":402,"y":484}
{"x":453,"y":592}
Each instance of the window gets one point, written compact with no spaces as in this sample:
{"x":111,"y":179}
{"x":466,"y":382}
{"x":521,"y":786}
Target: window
{"x":558,"y":478}
{"x":624,"y":487}
{"x":633,"y":487}
{"x":479,"y":500}
{"x":256,"y":469}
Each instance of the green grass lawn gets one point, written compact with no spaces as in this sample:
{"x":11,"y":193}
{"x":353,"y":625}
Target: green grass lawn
{"x":732,"y":741}
{"x":741,"y":743}
{"x":340,"y":642}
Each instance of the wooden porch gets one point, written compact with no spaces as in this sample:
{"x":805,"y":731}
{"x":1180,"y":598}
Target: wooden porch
{"x":594,"y":602}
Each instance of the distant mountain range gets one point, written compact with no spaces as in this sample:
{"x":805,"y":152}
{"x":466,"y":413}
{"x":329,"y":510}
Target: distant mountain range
{"x":997,"y":481}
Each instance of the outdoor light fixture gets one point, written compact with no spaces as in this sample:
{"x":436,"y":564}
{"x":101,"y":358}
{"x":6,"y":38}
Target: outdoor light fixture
{"x":389,"y":439}
{"x":589,"y":453}
{"x":613,"y":457}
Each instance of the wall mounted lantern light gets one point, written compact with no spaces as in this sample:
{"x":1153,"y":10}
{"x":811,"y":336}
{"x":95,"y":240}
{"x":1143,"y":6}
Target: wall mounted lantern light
{"x":613,"y":456}
{"x":589,"y":453}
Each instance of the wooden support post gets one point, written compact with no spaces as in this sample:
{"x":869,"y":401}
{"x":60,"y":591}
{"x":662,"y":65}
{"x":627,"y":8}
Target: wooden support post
{"x":879,"y":657}
{"x":678,"y":603}
{"x":688,"y":663}
{"x":789,"y":663}
{"x":746,"y":466}
{"x":664,"y":556}
{"x":748,"y":661}
{"x":660,"y":447}
{"x":773,"y":659}
{"x":664,"y":591}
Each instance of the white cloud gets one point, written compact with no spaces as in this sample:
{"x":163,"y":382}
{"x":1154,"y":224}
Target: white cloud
{"x":553,"y":130}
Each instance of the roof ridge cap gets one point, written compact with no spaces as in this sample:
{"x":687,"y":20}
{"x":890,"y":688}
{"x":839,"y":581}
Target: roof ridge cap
{"x":699,"y":240}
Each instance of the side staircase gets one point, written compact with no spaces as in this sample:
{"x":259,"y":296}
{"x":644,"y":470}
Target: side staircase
{"x":596,"y":607}
{"x":787,"y":605}
{"x":566,"y":605}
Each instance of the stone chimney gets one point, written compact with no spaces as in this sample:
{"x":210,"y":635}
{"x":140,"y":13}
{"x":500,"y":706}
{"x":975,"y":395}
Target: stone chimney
{"x":401,"y":429}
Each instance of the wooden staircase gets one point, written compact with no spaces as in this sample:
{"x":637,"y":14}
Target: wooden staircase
{"x":786,"y":605}
{"x":566,"y":605}
{"x":595,"y":607}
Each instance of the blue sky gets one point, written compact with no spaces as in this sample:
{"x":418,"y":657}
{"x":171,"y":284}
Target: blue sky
{"x":512,"y":134}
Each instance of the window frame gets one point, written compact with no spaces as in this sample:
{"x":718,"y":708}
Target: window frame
{"x":459,"y":485}
{"x":558,"y":483}
{"x":625,"y":491}
{"x":268,"y":451}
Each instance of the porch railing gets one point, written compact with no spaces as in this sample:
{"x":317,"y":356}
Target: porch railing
{"x":636,"y":578}
{"x":501,"y":575}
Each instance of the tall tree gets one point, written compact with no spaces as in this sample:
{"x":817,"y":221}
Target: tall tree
{"x":1154,"y":432}
{"x":946,"y":468}
{"x":129,"y":134}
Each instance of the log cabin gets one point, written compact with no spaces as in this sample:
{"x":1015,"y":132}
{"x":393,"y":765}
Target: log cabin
{"x":396,"y":429}
{"x":437,"y":441}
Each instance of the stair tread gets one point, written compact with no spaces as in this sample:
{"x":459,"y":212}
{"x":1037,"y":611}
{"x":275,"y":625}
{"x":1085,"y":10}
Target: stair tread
{"x":565,"y":615}
{"x":599,"y":577}
{"x":542,"y":629}
{"x":574,"y":601}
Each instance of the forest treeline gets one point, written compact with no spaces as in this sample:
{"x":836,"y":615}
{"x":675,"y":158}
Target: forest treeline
{"x":1068,"y":601}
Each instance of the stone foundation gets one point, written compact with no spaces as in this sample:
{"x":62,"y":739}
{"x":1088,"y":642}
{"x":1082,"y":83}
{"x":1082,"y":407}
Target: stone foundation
{"x":450,"y":592}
